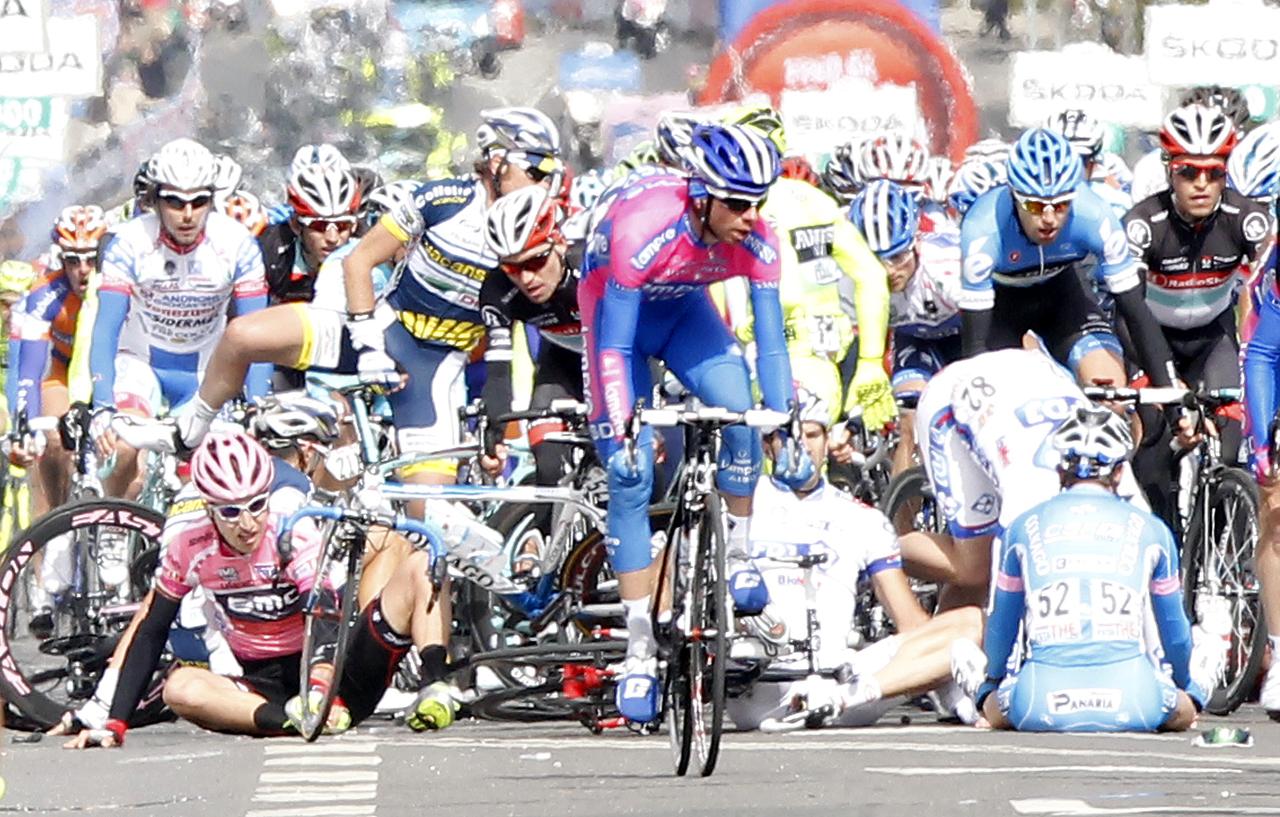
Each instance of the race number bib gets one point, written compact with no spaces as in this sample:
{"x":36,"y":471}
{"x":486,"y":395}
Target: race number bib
{"x":1055,"y":613}
{"x":1116,"y":611}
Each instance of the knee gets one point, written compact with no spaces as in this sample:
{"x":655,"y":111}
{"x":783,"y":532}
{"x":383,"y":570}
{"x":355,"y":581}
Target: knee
{"x":247,"y":336}
{"x":967,"y":623}
{"x":185,"y":690}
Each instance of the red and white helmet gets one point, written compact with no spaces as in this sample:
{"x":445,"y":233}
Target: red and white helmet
{"x":1197,"y":130}
{"x":245,"y":208}
{"x":321,"y":154}
{"x":522,"y":219}
{"x":231,"y":466}
{"x":323,"y":191}
{"x":894,"y":156}
{"x":80,"y":227}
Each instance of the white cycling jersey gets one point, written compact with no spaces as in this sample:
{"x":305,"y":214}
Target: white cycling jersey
{"x":929,"y":306}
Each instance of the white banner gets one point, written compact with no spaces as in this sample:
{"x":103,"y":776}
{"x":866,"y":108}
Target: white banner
{"x":22,"y":25}
{"x":818,"y":121}
{"x":19,"y":182}
{"x":1228,"y":42}
{"x":72,"y":68}
{"x":1088,"y":76}
{"x":33,"y":127}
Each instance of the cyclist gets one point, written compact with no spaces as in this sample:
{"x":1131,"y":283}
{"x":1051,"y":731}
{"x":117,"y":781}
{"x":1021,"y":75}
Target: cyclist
{"x":430,"y":320}
{"x":323,"y":201}
{"x":41,"y":345}
{"x":819,"y":249}
{"x":16,"y":278}
{"x":812,"y":519}
{"x":905,"y":160}
{"x":245,"y":208}
{"x":170,"y":282}
{"x":1081,"y":572}
{"x":227,"y":544}
{"x":924,"y":279}
{"x":1197,"y":241}
{"x":644,"y":295}
{"x":1150,"y":176}
{"x":1019,"y":240}
{"x":1087,"y":135}
{"x":972,"y":178}
{"x":1253,"y":168}
{"x":537,"y":286}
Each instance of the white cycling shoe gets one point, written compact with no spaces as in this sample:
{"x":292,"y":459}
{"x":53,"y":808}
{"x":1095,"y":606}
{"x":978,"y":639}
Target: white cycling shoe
{"x":968,"y":665}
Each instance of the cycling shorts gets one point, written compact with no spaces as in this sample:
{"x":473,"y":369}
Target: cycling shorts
{"x":1061,"y":311}
{"x":372,"y":660}
{"x":425,"y":410}
{"x":917,"y":359}
{"x":772,"y":699}
{"x":1127,"y":696}
{"x":275,"y":679}
{"x":145,"y":390}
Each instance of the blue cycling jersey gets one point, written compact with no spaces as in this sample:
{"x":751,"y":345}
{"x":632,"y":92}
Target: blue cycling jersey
{"x":1261,"y":365}
{"x":998,"y":251}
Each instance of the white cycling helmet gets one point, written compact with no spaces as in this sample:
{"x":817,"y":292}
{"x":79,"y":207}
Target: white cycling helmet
{"x":518,"y":129}
{"x":226,"y":175}
{"x":286,"y":417}
{"x":586,"y":188}
{"x":322,"y":154}
{"x":1253,"y":168}
{"x":972,"y":178}
{"x":937,"y":178}
{"x":183,"y":164}
{"x":894,"y":156}
{"x":231,"y":466}
{"x":323,"y":191}
{"x":672,"y":134}
{"x":390,"y":197}
{"x":991,"y":148}
{"x":1197,"y":130}
{"x":1092,"y":442}
{"x":1085,"y":133}
{"x":521,"y":220}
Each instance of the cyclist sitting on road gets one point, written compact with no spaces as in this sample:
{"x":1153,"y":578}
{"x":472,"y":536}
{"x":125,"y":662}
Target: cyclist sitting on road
{"x":1197,"y":242}
{"x":227,"y":544}
{"x":815,"y":519}
{"x":1020,"y":245}
{"x":924,"y":279}
{"x":1080,"y":573}
{"x":644,"y":295}
{"x":171,"y":280}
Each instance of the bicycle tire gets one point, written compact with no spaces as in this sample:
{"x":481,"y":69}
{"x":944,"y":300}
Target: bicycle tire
{"x":540,"y":697}
{"x":317,"y":607}
{"x":708,"y":656}
{"x":1203,"y":549}
{"x":678,"y":713}
{"x":903,"y":489}
{"x":83,"y":646}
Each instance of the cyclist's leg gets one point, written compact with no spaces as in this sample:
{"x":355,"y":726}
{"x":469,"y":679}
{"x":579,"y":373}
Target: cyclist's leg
{"x":921,"y":658}
{"x":1078,"y":334}
{"x":558,"y":376}
{"x":137,"y":392}
{"x":384,"y":552}
{"x":287,"y":335}
{"x":251,"y":705}
{"x":1218,"y":367}
{"x":53,"y":470}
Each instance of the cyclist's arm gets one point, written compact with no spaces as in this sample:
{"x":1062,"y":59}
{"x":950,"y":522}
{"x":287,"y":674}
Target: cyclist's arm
{"x":773,"y":364}
{"x":79,"y":372}
{"x":1006,"y":612}
{"x":1171,"y":617}
{"x":870,"y":287}
{"x":114,"y":296}
{"x":1261,"y":363}
{"x":28,"y":356}
{"x":143,"y":654}
{"x":249,"y":294}
{"x":378,"y":246}
{"x":499,"y":352}
{"x":895,"y":594}
{"x":619,"y":313}
{"x":977,"y":292}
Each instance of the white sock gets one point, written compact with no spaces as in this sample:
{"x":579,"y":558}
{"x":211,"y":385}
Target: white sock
{"x":194,"y":423}
{"x":639,"y":627}
{"x":865,"y":690}
{"x":736,"y":540}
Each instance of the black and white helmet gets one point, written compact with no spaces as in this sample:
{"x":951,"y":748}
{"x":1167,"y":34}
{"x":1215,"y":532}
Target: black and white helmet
{"x":286,"y":417}
{"x":323,"y":191}
{"x":1085,"y":133}
{"x":322,"y":154}
{"x":521,"y":220}
{"x":226,"y":176}
{"x":1092,"y":442}
{"x":518,"y":129}
{"x":673,"y":133}
{"x":183,"y":164}
{"x":390,"y":198}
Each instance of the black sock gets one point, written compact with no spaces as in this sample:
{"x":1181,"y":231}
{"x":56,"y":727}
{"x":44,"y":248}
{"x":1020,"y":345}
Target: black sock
{"x":434,"y":661}
{"x":270,"y":717}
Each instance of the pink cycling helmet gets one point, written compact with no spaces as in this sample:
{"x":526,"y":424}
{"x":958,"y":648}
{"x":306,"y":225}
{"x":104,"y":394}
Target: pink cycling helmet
{"x":231,"y":466}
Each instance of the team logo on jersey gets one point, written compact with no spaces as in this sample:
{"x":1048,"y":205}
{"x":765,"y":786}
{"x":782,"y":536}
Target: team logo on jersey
{"x":985,"y":504}
{"x":1255,"y":227}
{"x":1014,"y":256}
{"x":1139,"y":233}
{"x":228,"y":574}
{"x":1067,"y":701}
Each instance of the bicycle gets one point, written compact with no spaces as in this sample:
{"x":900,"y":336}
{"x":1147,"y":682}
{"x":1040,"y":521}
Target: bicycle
{"x":694,"y":643}
{"x":1218,"y":534}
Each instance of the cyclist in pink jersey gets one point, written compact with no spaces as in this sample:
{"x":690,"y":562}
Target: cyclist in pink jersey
{"x":224,"y":539}
{"x":661,"y":241}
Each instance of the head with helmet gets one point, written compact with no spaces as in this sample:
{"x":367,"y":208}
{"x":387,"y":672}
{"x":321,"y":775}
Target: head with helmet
{"x":183,"y":174}
{"x":1092,"y":443}
{"x":142,"y":200}
{"x":523,"y":230}
{"x":393,"y":197}
{"x":889,"y":218}
{"x":226,"y":177}
{"x":895,"y":156}
{"x":16,"y":278}
{"x":325,"y":199}
{"x":731,"y":169}
{"x":937,"y":177}
{"x":1085,"y":134}
{"x":587,"y":188}
{"x":296,"y":427}
{"x":519,"y":147}
{"x":974,"y":177}
{"x":644,"y":154}
{"x":798,"y":168}
{"x":1195,"y":143}
{"x":1253,"y":169}
{"x":672,"y":134}
{"x":1230,"y":101}
{"x":841,"y":176}
{"x":77,"y":234}
{"x":1044,"y":172}
{"x":762,"y":119}
{"x":245,"y":208}
{"x":320,"y":154}
{"x":233,"y":473}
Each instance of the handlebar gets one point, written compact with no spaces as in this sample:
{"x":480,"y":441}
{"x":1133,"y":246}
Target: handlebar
{"x":427,"y":531}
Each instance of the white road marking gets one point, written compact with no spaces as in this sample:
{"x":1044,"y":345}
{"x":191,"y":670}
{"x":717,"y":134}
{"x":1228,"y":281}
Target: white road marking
{"x":1079,"y":808}
{"x":318,"y":794}
{"x":172,"y":758}
{"x":936,"y":771}
{"x":315,"y":811}
{"x":340,"y":775}
{"x":322,"y":760}
{"x":324,"y":747}
{"x":301,"y":776}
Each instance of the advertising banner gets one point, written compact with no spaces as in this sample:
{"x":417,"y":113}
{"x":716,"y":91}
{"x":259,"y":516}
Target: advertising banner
{"x":818,"y":121}
{"x":1089,"y":76}
{"x":1228,"y":42}
{"x":33,"y":127}
{"x":22,"y":25}
{"x":72,"y":68}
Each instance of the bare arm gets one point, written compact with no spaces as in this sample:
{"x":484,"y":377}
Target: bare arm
{"x":378,"y":246}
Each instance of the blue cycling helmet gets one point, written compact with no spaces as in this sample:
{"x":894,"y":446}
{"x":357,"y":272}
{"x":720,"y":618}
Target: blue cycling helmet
{"x":888,"y":216}
{"x":973,"y":178}
{"x":1043,"y":164}
{"x":732,"y":161}
{"x":1253,"y":168}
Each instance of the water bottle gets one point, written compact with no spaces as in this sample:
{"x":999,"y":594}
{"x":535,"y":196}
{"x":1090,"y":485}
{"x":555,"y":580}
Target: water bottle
{"x":477,"y":552}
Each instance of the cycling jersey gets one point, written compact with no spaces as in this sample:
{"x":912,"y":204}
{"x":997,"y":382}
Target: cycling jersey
{"x":288,"y":278}
{"x":168,"y":306}
{"x":928,"y":307}
{"x":1261,"y":367}
{"x":1117,"y":199}
{"x":44,"y":329}
{"x":644,"y":294}
{"x":437,"y":298}
{"x":1194,"y":270}
{"x":1079,"y":573}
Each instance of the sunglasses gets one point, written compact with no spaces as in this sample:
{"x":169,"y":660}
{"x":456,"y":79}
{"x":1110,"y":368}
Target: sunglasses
{"x":321,"y":225}
{"x":739,"y":205}
{"x":1191,"y":171}
{"x":232,"y":511}
{"x":177,"y":200}
{"x":898,"y":259}
{"x":79,"y":257}
{"x":531,"y":264}
{"x":1037,"y":206}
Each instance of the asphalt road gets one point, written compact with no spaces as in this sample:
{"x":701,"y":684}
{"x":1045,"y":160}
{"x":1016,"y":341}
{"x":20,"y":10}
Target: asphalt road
{"x":487,"y":770}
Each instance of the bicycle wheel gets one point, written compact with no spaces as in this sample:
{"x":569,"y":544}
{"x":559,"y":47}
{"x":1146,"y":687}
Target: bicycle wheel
{"x":1219,"y":549}
{"x":551,"y":682}
{"x":910,"y":504}
{"x":329,"y":617}
{"x":59,"y":619}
